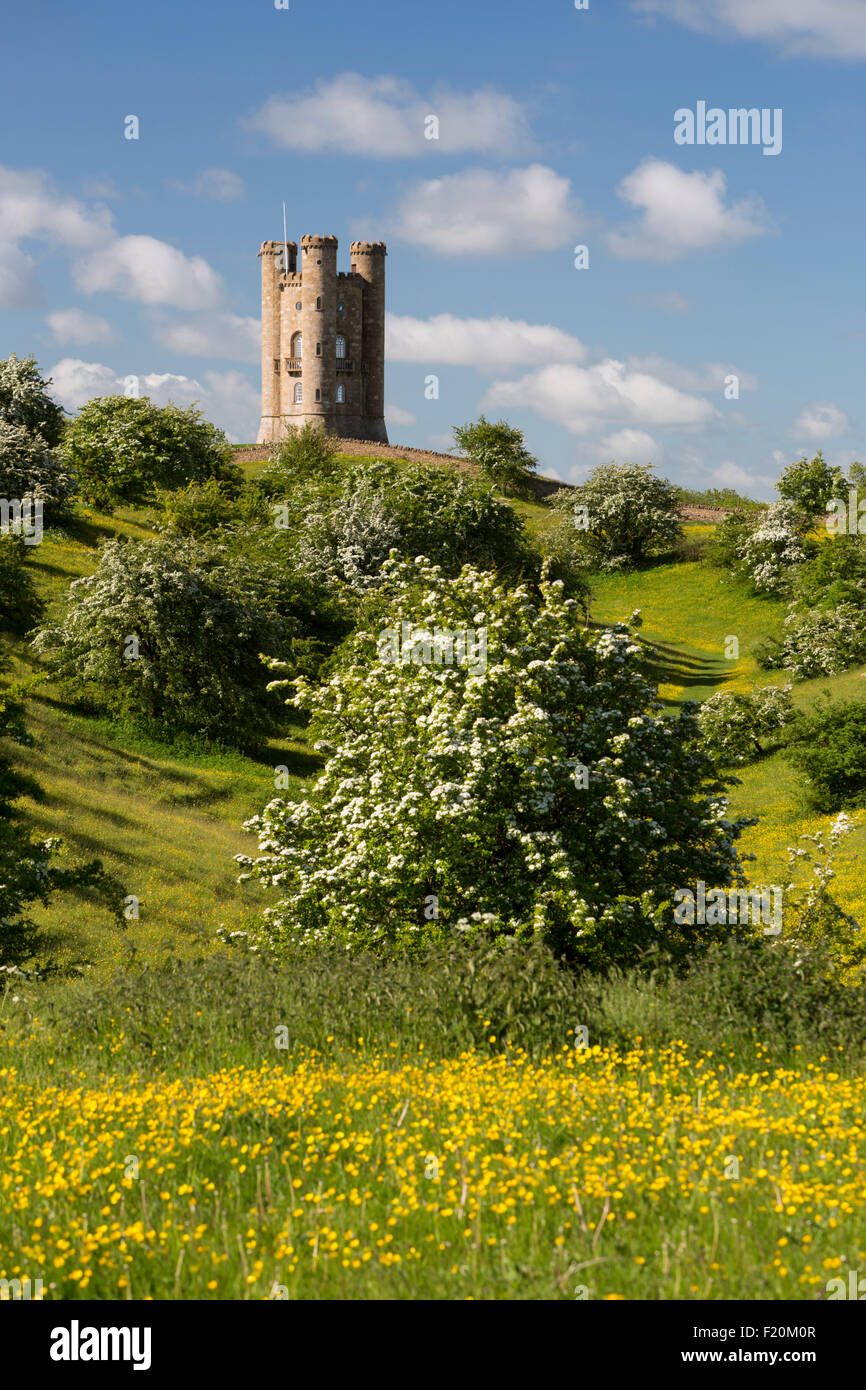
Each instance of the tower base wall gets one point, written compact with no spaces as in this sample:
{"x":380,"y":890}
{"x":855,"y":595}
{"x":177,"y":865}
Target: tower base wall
{"x":273,"y":428}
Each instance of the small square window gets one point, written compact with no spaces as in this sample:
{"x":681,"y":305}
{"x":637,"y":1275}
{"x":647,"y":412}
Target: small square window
{"x":318,"y":394}
{"x":339,"y":308}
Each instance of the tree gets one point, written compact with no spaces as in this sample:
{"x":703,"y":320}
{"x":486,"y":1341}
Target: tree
{"x":306,"y":453}
{"x":733,"y":723}
{"x":25,"y":402}
{"x":624,"y":513}
{"x":810,"y":484}
{"x":770,"y":554}
{"x":170,"y":631}
{"x":500,"y":452}
{"x":346,"y":529}
{"x":122,"y":448}
{"x":828,"y":749}
{"x":28,"y":873}
{"x":30,"y":469}
{"x":488,"y":763}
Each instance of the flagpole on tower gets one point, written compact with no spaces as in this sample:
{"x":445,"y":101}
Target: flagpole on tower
{"x":285,"y":242}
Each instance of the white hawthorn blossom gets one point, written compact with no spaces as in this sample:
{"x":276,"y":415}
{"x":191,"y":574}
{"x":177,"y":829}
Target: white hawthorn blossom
{"x":442,"y":784}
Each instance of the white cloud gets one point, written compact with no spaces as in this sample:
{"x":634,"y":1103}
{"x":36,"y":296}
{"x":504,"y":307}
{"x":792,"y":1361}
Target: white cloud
{"x":29,"y":207}
{"x":482,"y":212}
{"x":76,"y":382}
{"x":134,"y":267}
{"x":671,"y":303}
{"x":19,"y":283}
{"x":76,"y":326}
{"x":497,"y":342}
{"x":441,"y":443}
{"x":825,"y":28}
{"x":729,"y":474}
{"x":707,"y":376}
{"x":227,"y":398}
{"x":384,"y":117}
{"x":396,"y":415}
{"x":820,"y":420}
{"x":151,"y":271}
{"x":682,"y":212}
{"x":631,"y":445}
{"x":219,"y":185}
{"x":215,"y":334}
{"x":584,"y":399}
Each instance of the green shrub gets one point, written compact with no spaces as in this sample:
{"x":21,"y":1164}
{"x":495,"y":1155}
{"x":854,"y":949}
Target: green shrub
{"x":123,"y":448}
{"x":828,"y":748}
{"x":197,"y":509}
{"x":20,"y":605}
{"x":810,"y":484}
{"x":307,"y":454}
{"x":529,"y":787}
{"x":624,"y":514}
{"x":170,"y":631}
{"x":835,"y":574}
{"x":25,"y":402}
{"x":733,"y":724}
{"x":30,"y":469}
{"x":499,"y":450}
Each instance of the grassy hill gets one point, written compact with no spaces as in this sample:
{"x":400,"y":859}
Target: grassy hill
{"x":166,"y":817}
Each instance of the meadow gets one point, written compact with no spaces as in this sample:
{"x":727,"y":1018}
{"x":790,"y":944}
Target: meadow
{"x":223,"y":1132}
{"x":181,"y":1120}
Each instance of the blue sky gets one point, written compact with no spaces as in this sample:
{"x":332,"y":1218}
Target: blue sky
{"x":556,"y":129}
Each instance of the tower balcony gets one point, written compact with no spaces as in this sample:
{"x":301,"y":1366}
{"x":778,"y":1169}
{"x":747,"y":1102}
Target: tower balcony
{"x":293,"y":364}
{"x":344,"y":364}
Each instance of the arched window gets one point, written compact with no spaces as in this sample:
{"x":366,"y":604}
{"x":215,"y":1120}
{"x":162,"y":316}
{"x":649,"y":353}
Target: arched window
{"x":299,"y":393}
{"x":298,"y":345}
{"x":341,"y":345}
{"x":341,"y":395}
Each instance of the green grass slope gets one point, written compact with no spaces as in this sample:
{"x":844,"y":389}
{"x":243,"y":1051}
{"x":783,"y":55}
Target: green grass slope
{"x":166,"y":816}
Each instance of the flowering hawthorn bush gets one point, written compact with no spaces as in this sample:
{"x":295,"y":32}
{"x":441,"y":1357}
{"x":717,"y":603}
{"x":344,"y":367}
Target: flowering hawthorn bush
{"x":632,"y":513}
{"x":199,"y":619}
{"x":733,"y":723}
{"x":121,"y":447}
{"x":770,"y":555}
{"x":543,"y":795}
{"x":345,"y":529}
{"x":25,"y":402}
{"x":29,"y":468}
{"x":823,"y":642}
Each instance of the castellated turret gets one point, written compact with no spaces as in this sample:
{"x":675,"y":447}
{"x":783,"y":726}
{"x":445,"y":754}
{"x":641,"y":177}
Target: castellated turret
{"x":323,"y":339}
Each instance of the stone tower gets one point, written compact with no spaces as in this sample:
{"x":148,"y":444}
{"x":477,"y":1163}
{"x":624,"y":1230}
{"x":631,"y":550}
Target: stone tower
{"x":323,"y":339}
